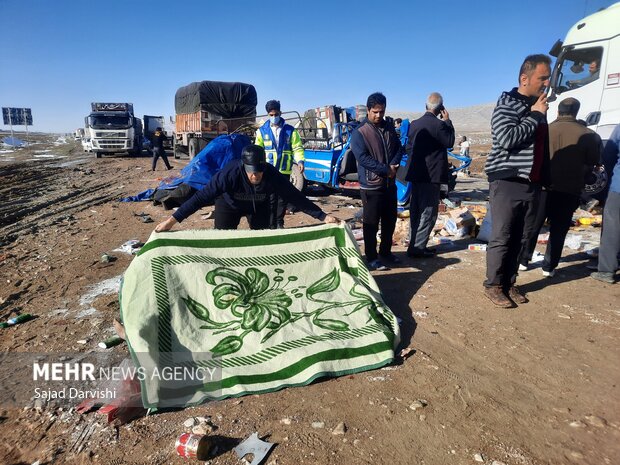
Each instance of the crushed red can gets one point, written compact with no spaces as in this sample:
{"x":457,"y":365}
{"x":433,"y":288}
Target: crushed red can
{"x":193,"y":446}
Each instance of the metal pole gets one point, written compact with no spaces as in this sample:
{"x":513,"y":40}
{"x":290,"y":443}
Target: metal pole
{"x":25,"y":121}
{"x":11,"y":124}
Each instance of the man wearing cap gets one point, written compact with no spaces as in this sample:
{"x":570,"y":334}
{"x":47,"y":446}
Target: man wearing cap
{"x":574,"y":150}
{"x":157,"y":143}
{"x":283,"y":147}
{"x":245,"y":187}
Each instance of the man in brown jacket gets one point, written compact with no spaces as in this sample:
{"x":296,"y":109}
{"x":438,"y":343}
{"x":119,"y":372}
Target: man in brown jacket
{"x":574,"y":150}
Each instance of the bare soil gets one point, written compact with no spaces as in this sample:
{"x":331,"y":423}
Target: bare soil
{"x":537,"y":384}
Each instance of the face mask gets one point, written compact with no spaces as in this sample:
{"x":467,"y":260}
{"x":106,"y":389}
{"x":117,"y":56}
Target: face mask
{"x":274,"y":119}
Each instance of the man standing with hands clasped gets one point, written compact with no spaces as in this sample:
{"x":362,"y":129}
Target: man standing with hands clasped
{"x":378,"y":151}
{"x":517,"y":168}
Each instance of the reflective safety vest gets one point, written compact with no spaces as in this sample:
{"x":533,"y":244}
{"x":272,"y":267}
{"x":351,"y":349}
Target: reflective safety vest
{"x":289,"y":148}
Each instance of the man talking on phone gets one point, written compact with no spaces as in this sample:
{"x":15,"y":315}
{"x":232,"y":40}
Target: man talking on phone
{"x":517,"y":167}
{"x":429,"y":139}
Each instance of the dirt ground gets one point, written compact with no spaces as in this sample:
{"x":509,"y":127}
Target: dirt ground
{"x":538,"y":384}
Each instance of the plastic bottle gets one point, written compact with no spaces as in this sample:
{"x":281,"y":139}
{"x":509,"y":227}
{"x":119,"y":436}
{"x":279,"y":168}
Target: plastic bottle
{"x":17,"y":320}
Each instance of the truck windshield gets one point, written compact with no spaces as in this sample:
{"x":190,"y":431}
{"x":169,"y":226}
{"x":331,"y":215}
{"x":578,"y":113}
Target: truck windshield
{"x":576,"y":68}
{"x":109,"y":121}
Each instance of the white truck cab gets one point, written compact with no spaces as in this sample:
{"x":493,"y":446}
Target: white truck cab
{"x":588,"y":69}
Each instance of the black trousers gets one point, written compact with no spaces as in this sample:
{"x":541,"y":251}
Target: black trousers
{"x":513,"y":205}
{"x":558,"y":209}
{"x":157,"y":152}
{"x":227,"y":217}
{"x":379,"y":207}
{"x":423,"y":211}
{"x":277,"y":217}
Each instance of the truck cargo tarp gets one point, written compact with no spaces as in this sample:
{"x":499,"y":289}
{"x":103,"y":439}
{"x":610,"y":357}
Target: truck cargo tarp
{"x":203,"y":166}
{"x":227,"y":99}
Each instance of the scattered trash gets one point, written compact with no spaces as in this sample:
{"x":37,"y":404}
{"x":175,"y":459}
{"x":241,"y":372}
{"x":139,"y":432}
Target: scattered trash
{"x":573,"y":241}
{"x":318,"y":424}
{"x":253,"y":445}
{"x":130,"y":247}
{"x":418,"y":404}
{"x":105,"y":258}
{"x":537,"y":257}
{"x":144,"y":217}
{"x":207,"y":216}
{"x":477,"y":247}
{"x":421,"y":314}
{"x":358,"y":234}
{"x":478,"y":458}
{"x":485,"y":228}
{"x":543,"y":238}
{"x":194,"y":446}
{"x":82,"y":341}
{"x":110,"y":342}
{"x":340,"y":428}
{"x":17,"y":320}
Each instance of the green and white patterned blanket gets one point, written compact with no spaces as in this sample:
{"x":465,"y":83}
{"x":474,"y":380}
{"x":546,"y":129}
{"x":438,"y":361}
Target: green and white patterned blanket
{"x":256,"y":311}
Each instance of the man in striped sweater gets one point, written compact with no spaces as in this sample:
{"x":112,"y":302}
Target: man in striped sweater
{"x":517,"y":167}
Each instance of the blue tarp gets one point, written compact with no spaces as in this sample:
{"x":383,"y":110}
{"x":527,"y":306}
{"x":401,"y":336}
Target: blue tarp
{"x":201,"y":169}
{"x":14,"y":141}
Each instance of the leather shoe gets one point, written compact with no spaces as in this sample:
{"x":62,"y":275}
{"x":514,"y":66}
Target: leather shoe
{"x":426,"y":253}
{"x":515,"y":294}
{"x":496,"y":295}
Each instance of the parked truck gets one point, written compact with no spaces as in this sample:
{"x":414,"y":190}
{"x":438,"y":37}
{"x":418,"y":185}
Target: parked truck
{"x":592,"y":42}
{"x":207,"y":109}
{"x":113,"y":128}
{"x":150,"y":124}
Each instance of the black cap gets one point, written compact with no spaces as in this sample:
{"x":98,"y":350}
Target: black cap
{"x":272,"y":105}
{"x":569,"y":106}
{"x":253,"y":157}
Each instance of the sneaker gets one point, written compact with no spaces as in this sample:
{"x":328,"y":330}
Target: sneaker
{"x":391,"y":258}
{"x":522,"y":267}
{"x":549,"y":274}
{"x":603,"y":276}
{"x":516,"y":295}
{"x":376,"y":265}
{"x":496,"y":295}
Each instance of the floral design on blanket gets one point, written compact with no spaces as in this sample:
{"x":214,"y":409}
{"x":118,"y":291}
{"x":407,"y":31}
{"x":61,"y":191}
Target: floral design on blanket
{"x":259,"y":304}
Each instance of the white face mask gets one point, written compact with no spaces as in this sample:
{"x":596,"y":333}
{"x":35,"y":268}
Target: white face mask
{"x":274,"y":119}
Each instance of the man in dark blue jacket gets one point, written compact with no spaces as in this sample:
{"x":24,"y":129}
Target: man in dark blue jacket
{"x":377,"y":149}
{"x":429,"y":139}
{"x":246,"y":187}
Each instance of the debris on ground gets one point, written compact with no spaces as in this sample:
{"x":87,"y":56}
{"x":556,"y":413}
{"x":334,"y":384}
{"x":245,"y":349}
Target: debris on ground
{"x":253,"y":445}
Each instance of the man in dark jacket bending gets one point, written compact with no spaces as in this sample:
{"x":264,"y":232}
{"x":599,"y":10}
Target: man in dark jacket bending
{"x":246,"y":187}
{"x":429,"y":139}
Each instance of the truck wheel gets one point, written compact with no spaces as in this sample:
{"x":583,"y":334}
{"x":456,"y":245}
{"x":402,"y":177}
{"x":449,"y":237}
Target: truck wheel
{"x":98,"y":155}
{"x":194,"y":148}
{"x":297,"y":178}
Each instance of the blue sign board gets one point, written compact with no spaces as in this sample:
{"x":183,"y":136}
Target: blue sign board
{"x":17,"y":116}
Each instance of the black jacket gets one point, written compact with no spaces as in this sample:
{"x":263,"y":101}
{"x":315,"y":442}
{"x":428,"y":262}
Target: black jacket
{"x":427,"y":156}
{"x":158,"y":140}
{"x":373,"y":168}
{"x":233,"y":185}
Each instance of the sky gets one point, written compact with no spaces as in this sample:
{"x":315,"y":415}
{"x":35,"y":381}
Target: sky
{"x":57,"y":56}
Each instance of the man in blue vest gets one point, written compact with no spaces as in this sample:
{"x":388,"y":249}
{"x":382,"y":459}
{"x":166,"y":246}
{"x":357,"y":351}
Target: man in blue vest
{"x":283,"y":147}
